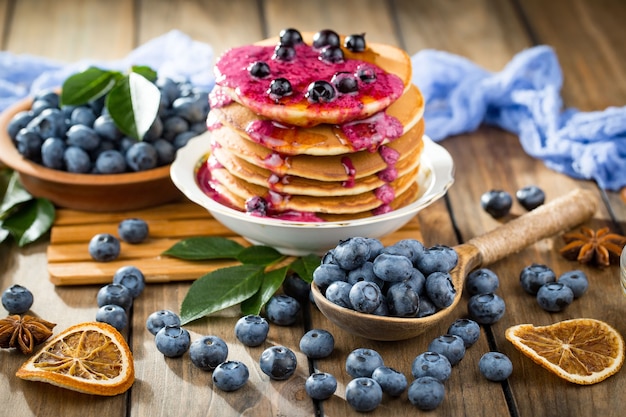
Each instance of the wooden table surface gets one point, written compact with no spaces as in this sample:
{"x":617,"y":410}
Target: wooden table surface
{"x":588,"y":37}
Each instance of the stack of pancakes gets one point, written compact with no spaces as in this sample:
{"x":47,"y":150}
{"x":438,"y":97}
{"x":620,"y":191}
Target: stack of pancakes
{"x":301,"y":164}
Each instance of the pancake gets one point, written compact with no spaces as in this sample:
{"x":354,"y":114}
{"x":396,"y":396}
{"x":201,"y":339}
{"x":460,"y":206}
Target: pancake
{"x":323,"y":168}
{"x":325,"y":139}
{"x":387,"y":72}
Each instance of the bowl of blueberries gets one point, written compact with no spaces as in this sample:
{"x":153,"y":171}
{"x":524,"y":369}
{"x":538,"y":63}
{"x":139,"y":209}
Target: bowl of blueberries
{"x":78,"y":158}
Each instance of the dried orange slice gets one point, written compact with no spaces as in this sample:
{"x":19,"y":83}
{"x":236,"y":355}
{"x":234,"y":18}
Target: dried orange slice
{"x":92,"y":358}
{"x":583,"y":351}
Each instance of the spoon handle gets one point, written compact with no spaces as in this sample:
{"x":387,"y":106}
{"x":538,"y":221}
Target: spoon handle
{"x":546,"y":220}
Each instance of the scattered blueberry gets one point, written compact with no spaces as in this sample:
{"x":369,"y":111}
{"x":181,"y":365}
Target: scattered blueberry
{"x":17,"y":299}
{"x":172,"y":341}
{"x":486,"y":308}
{"x":133,"y":230}
{"x":104,"y":247}
{"x":296,"y":287}
{"x":530,"y":197}
{"x":320,"y":385}
{"x":161,"y":318}
{"x":534,"y":276}
{"x":466,"y":329}
{"x":251,"y":330}
{"x":426,"y":393}
{"x":576,"y":280}
{"x":278,"y":362}
{"x":450,"y":346}
{"x":114,"y":315}
{"x":230,"y":375}
{"x":363,"y":394}
{"x":132,"y":278}
{"x":496,"y":202}
{"x":361,"y":362}
{"x":317,"y":344}
{"x":482,"y":281}
{"x":432,"y":364}
{"x":495,"y":366}
{"x":208,"y":352}
{"x":115,"y":294}
{"x":282,"y":310}
{"x":392,"y":381}
{"x":554,"y":296}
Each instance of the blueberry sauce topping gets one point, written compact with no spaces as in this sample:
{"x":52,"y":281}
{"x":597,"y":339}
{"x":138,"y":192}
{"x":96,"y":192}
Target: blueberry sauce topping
{"x":256,"y":206}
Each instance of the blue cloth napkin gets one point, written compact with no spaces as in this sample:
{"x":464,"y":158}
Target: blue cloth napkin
{"x":524,"y":98}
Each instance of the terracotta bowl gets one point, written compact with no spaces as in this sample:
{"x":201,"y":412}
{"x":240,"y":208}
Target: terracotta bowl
{"x":89,"y":192}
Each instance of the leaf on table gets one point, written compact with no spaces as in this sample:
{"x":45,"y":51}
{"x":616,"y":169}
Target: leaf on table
{"x":272,"y":281}
{"x":31,"y":222}
{"x":15,"y":195}
{"x":87,"y":86}
{"x":205,"y":248}
{"x":220,"y":289}
{"x":305,"y":266}
{"x":133,"y":104}
{"x":259,"y":255}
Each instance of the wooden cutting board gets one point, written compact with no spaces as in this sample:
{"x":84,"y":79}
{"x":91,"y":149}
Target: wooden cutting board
{"x":69,"y":262}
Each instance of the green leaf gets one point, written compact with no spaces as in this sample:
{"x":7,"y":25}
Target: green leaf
{"x":4,"y":233}
{"x":259,"y":255}
{"x":305,"y":266}
{"x":271,"y":282}
{"x":14,"y":196}
{"x":205,"y":248}
{"x":87,"y":86}
{"x":145,"y":71}
{"x":133,"y":105}
{"x":31,"y":222}
{"x":220,"y":289}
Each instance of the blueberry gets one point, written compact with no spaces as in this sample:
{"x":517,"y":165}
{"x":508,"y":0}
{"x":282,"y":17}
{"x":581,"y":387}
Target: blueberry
{"x":535,"y":276}
{"x":28,"y":144}
{"x":402,"y":300}
{"x":52,"y":152}
{"x":257,"y":206}
{"x":76,"y":160}
{"x":345,"y":82}
{"x":366,"y":73}
{"x":495,"y":366}
{"x":39,"y":106}
{"x":466,"y":329}
{"x":83,"y":137}
{"x":166,"y":151}
{"x":392,"y":268}
{"x":365,"y":296}
{"x":49,"y":123}
{"x":426,"y":393}
{"x":431,"y":364}
{"x":339,"y":293}
{"x":351,"y":253}
{"x":326,"y":274}
{"x":280,"y":87}
{"x":290,"y":36}
{"x":116,"y":294}
{"x":440,"y":289}
{"x":392,"y":381}
{"x":361,"y":362}
{"x":278,"y":362}
{"x":284,"y":53}
{"x":417,"y":281}
{"x":438,"y":258}
{"x":104,"y":247}
{"x":482,"y":281}
{"x":141,"y":156}
{"x":411,"y":248}
{"x":251,"y":330}
{"x":181,"y":139}
{"x":576,"y":280}
{"x":172,"y":341}
{"x":110,"y":162}
{"x":18,"y":122}
{"x":106,"y":128}
{"x":317,"y":344}
{"x":320,"y":385}
{"x":17,"y":299}
{"x":133,"y":230}
{"x":161,"y":318}
{"x":364,"y":394}
{"x":296,"y":287}
{"x":282,"y":309}
{"x":132,"y":278}
{"x":486,"y":308}
{"x":49,"y":96}
{"x":376,"y":247}
{"x":496,"y":202}
{"x":554,"y":296}
{"x":192,"y":108}
{"x":173,"y":126}
{"x":208,"y":352}
{"x":364,"y":272}
{"x":114,"y":315}
{"x":168,"y":87}
{"x":326,"y":37}
{"x":230,"y":375}
{"x":83,"y":115}
{"x":530,"y":197}
{"x":450,"y":346}
{"x":259,"y":69}
{"x":427,"y":308}
{"x":332,"y":55}
{"x":355,"y":42}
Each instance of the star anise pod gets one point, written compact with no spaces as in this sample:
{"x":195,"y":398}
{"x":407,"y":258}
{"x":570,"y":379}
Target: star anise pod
{"x":599,"y":247}
{"x":24,"y":333}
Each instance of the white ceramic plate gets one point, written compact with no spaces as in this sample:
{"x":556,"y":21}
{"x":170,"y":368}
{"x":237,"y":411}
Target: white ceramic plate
{"x":302,"y":238}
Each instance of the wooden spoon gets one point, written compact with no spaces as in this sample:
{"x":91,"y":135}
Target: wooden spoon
{"x":559,"y":215}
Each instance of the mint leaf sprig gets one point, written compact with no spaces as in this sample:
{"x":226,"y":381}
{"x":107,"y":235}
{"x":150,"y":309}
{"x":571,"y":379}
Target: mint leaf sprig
{"x":251,"y":284}
{"x":132,"y":99}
